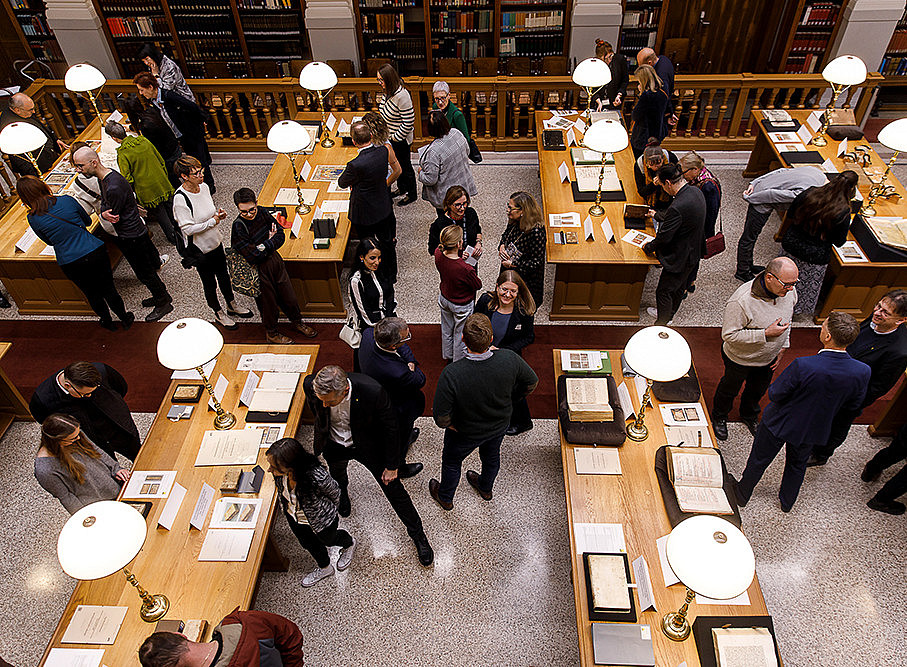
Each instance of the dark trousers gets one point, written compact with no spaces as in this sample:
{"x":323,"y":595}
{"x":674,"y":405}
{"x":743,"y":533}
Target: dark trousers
{"x":892,"y":454}
{"x":145,"y":261}
{"x":212,"y":269}
{"x":338,"y":459}
{"x":406,"y":420}
{"x":752,"y":227}
{"x":756,"y":379}
{"x":520,"y":415}
{"x":317,"y":543}
{"x":163,"y":213}
{"x":386,"y":233}
{"x":670,"y":292}
{"x":276,"y":293}
{"x":840,"y":427}
{"x":765,"y":448}
{"x":93,"y":276}
{"x":407,"y":180}
{"x":456,"y":448}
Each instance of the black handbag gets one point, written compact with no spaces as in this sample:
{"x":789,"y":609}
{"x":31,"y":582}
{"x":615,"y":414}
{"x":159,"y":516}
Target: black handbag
{"x":189,"y":252}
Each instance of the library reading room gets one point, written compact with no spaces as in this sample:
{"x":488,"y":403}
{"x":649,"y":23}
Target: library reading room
{"x":659,"y":419}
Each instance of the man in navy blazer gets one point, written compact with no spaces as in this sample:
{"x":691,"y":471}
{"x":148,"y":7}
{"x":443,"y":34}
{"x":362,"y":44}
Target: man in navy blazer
{"x":384,"y":356}
{"x":804,"y":400}
{"x":371,"y":207}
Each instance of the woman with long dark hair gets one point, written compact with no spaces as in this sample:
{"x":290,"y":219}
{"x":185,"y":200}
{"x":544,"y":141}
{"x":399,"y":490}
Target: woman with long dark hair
{"x":522,"y":246}
{"x":511,"y":309}
{"x":168,"y":74}
{"x":309,"y":497}
{"x":61,"y":222}
{"x":818,"y":218}
{"x":146,"y":119}
{"x":371,"y":293}
{"x":71,"y":468}
{"x":397,"y":110}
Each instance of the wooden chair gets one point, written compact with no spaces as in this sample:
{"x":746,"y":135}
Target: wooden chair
{"x":679,"y":51}
{"x":296,"y":65}
{"x":450,"y":67}
{"x":264,"y":69}
{"x":372,"y":65}
{"x":519,"y":66}
{"x":485,"y":67}
{"x":554,"y":66}
{"x":343,"y":68}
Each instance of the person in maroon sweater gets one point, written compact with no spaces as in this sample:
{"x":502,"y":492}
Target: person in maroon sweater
{"x":459,"y":283}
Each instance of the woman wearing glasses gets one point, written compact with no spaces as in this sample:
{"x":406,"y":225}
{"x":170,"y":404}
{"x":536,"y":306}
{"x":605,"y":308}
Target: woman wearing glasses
{"x":444,"y":162}
{"x":441,"y":94}
{"x":522,"y":246}
{"x":511,"y":309}
{"x":644,"y":171}
{"x":695,"y":173}
{"x":457,"y":211}
{"x":397,"y":110}
{"x":198,"y":220}
{"x":71,"y":468}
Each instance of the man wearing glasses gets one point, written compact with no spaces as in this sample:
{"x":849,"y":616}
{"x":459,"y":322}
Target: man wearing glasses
{"x":22,"y":110}
{"x":755,"y":331}
{"x":94,"y":394}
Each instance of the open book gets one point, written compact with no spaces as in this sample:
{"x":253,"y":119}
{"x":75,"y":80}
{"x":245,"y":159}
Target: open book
{"x":890,"y":231}
{"x":697,"y":479}
{"x":744,"y":647}
{"x":587,"y":400}
{"x":587,"y":178}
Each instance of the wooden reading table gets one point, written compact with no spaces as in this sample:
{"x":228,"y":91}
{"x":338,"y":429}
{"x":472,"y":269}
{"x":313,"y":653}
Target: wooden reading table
{"x":633,"y":499}
{"x":168,"y":562}
{"x":593,"y":280}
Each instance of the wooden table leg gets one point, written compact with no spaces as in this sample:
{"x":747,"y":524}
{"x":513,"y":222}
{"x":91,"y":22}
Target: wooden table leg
{"x":273,"y":560}
{"x":760,"y":158}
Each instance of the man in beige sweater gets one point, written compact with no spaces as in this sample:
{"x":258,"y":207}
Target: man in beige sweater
{"x":756,"y":330}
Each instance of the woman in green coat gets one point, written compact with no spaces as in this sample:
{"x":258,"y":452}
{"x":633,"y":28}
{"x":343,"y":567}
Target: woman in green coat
{"x":441,"y":94}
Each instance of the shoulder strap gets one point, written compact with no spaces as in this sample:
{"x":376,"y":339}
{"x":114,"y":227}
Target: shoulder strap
{"x":186,"y":199}
{"x":86,"y":190}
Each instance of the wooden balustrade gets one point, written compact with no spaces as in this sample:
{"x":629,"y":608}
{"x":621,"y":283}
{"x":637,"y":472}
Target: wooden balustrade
{"x":713,"y":111}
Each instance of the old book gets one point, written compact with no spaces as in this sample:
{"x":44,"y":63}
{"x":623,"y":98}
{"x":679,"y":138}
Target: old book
{"x":587,"y":156}
{"x":195,"y":629}
{"x":698,"y":480}
{"x":587,"y":178}
{"x":744,"y":647}
{"x":890,"y":231}
{"x":608,"y":576}
{"x":587,"y":400}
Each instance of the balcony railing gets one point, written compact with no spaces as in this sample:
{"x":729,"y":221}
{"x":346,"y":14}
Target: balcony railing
{"x":713,"y":110}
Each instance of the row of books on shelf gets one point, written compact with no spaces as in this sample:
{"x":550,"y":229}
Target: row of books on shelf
{"x":894,"y":65}
{"x":384,"y":23}
{"x":809,"y":42}
{"x":18,"y":4}
{"x":215,"y":49}
{"x":287,"y":49}
{"x":820,"y":13}
{"x":482,"y":20}
{"x":283,"y":23}
{"x":898,"y":41}
{"x":464,"y":49}
{"x":633,"y":42}
{"x":35,"y":25}
{"x":138,"y":26}
{"x":802,"y":64}
{"x":194,"y":7}
{"x":49,"y":51}
{"x":264,"y":4}
{"x":527,"y":21}
{"x":411,"y":48}
{"x":642,"y":18}
{"x":131,"y":7}
{"x":534,"y":47}
{"x":371,"y":4}
{"x":207,"y":26}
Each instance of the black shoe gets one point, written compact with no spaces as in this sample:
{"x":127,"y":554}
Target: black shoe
{"x":396,"y":193}
{"x":159,"y":312}
{"x":343,"y":507}
{"x":741,"y":501}
{"x":816,"y":460}
{"x":751,"y":424}
{"x":473,"y":478}
{"x":744,"y":277}
{"x":408,"y":470}
{"x":407,"y":200}
{"x":720,"y":428}
{"x":691,"y":289}
{"x":870,"y":474}
{"x":4,"y":302}
{"x":786,"y":508}
{"x":413,"y":436}
{"x":426,"y":555}
{"x":889,"y":507}
{"x":110,"y":325}
{"x":434,"y":486}
{"x":516,"y":429}
{"x":127,"y":320}
{"x":756,"y":269}
{"x":150,"y":301}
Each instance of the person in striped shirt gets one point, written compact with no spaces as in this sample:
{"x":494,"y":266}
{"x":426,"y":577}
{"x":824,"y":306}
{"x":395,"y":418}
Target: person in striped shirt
{"x":397,"y":110}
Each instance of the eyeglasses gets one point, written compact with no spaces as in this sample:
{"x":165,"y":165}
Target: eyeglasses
{"x":506,"y":290}
{"x":459,"y":204}
{"x":408,"y":337}
{"x":248,"y":211}
{"x":78,"y":393}
{"x":440,"y":98}
{"x":513,"y":208}
{"x":790,"y":285}
{"x":198,"y":173}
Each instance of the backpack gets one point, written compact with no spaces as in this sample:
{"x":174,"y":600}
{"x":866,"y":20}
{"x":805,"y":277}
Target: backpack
{"x":189,"y":252}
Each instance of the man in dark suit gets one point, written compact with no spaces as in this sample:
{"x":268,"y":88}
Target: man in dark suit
{"x":677,"y":242}
{"x":93,"y":393}
{"x":371,"y":208}
{"x":384,"y":356}
{"x":183,"y":116}
{"x":804,"y":400}
{"x":354,"y":419}
{"x":22,"y":110}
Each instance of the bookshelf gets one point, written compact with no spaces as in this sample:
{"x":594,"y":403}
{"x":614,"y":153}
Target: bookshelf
{"x":642,"y":23}
{"x":814,"y":24}
{"x":894,"y":62}
{"x":36,"y":40}
{"x":208,"y":38}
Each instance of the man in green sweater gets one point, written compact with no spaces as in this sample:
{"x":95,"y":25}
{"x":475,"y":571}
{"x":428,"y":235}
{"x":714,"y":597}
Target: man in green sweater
{"x":473,"y":403}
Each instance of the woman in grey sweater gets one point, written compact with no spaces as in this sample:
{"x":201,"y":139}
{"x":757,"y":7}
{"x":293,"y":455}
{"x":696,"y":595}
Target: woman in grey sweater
{"x":309,"y":497}
{"x":71,"y":468}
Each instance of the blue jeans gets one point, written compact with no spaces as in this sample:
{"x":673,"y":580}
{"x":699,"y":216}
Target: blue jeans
{"x":456,"y":448}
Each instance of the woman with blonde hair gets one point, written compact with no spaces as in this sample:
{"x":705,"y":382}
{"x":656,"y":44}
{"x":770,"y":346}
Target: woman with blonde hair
{"x":71,"y":468}
{"x":381,"y":137}
{"x":648,"y":118}
{"x":459,"y":283}
{"x":694,"y":171}
{"x":522,"y":246}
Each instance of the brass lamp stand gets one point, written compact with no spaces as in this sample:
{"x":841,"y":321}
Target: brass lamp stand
{"x":820,"y":140}
{"x":154,"y":606}
{"x":224,"y":420}
{"x":302,"y":208}
{"x":326,"y":141}
{"x":638,"y":431}
{"x":879,"y":190}
{"x":675,"y":624}
{"x":597,"y":208}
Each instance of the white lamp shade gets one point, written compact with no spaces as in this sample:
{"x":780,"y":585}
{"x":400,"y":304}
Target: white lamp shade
{"x":82,"y":77}
{"x":19,"y":137}
{"x":188,"y":343}
{"x":100,"y":539}
{"x":845,"y":71}
{"x":658,"y":353}
{"x":317,"y":76}
{"x":592,"y":73}
{"x":711,"y":557}
{"x":288,"y":136}
{"x":606,"y":136}
{"x":894,"y":135}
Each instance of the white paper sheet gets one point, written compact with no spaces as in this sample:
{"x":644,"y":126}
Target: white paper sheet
{"x":27,"y":239}
{"x":623,"y":395}
{"x":687,"y":436}
{"x":667,"y":574}
{"x":286,"y":197}
{"x":637,"y":238}
{"x":248,"y":388}
{"x":643,"y":584}
{"x":563,"y":172}
{"x":172,"y":506}
{"x":305,"y":170}
{"x":791,"y":148}
{"x":48,"y":251}
{"x":468,"y":256}
{"x":599,"y":538}
{"x":331,"y":121}
{"x":74,"y":657}
{"x":850,"y":252}
{"x":192,"y":374}
{"x":587,"y":229}
{"x":310,"y":195}
{"x":200,"y":511}
{"x":235,"y":513}
{"x":222,"y":544}
{"x":296,"y":227}
{"x":741,"y":600}
{"x":571,"y":137}
{"x":814,"y":120}
{"x":149,"y":484}
{"x":842,"y":148}
{"x":683,"y":414}
{"x":94,"y":624}
{"x":804,"y":134}
{"x":267,"y":361}
{"x":220,"y":388}
{"x":580,"y":125}
{"x":335,"y":206}
{"x":596,"y":460}
{"x":570,"y":219}
{"x":333,"y":187}
{"x":783,"y":137}
{"x":828,"y":166}
{"x":228,"y":448}
{"x":607,"y":230}
{"x":270,"y":433}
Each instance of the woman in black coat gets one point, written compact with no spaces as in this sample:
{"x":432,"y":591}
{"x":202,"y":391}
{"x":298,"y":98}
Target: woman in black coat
{"x":457,"y":211}
{"x":649,"y":110}
{"x":612,"y":95}
{"x":511,"y":310}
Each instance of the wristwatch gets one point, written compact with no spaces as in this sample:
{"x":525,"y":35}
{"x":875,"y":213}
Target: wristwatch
{"x":260,"y":247}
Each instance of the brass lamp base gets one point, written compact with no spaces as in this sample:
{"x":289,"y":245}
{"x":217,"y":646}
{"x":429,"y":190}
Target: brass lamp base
{"x":224,"y":421}
{"x":818,"y":140}
{"x":326,"y":141}
{"x":637,"y":433}
{"x":867,"y":210}
{"x":303,"y":208}
{"x":596,"y":209}
{"x":675,"y":626}
{"x":155,"y":608}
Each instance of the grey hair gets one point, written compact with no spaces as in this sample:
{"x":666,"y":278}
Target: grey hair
{"x":778,"y":264}
{"x":115,"y":130}
{"x":389,"y":331}
{"x":330,"y":380}
{"x":440,"y":86}
{"x":17,"y":101}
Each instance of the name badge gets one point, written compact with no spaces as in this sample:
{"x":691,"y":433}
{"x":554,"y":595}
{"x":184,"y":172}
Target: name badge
{"x":518,"y":327}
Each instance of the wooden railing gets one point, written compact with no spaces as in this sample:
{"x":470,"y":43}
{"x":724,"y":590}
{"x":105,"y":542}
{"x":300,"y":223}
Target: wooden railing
{"x":713,"y":110}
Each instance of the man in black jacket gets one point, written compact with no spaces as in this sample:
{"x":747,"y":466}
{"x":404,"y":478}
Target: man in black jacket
{"x":354,"y":419}
{"x":94,"y":394}
{"x":371,"y":208}
{"x":677,"y":242}
{"x":185,"y":117}
{"x":22,"y":110}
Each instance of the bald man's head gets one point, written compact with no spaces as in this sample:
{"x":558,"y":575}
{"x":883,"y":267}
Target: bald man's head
{"x":646,"y":56}
{"x":781,"y":274}
{"x":22,"y":105}
{"x":86,"y":161}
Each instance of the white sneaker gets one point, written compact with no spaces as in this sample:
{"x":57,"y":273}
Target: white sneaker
{"x":654,"y":313}
{"x":225,"y":320}
{"x":317,"y":575}
{"x":236,"y":310}
{"x":346,"y":556}
{"x":164,"y":260}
